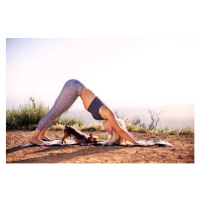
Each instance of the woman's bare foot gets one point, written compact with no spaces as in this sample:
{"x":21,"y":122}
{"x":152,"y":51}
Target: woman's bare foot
{"x":45,"y":138}
{"x":37,"y":141}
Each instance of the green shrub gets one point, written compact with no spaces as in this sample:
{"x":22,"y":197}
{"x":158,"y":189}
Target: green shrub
{"x":135,"y":128}
{"x":186,"y":131}
{"x":25,"y":116}
{"x":71,"y":121}
{"x":57,"y":127}
{"x":93,"y":127}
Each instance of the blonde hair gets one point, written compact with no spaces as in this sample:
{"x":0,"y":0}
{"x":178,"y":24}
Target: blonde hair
{"x":115,"y":138}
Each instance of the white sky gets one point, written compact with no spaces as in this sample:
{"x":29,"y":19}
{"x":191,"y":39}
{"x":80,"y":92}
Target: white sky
{"x":122,"y":72}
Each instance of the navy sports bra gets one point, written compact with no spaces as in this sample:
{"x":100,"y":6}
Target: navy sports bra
{"x":94,"y":108}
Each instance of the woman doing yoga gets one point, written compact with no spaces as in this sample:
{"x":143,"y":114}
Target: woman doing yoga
{"x":70,"y":92}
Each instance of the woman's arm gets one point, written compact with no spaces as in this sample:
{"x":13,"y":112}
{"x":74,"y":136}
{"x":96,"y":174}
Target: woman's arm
{"x":106,"y":113}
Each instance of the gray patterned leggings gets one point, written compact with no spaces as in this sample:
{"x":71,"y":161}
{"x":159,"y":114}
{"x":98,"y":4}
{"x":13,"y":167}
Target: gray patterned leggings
{"x":70,"y":92}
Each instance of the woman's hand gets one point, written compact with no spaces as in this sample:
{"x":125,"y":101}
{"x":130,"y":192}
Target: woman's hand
{"x":109,"y":116}
{"x":143,"y":143}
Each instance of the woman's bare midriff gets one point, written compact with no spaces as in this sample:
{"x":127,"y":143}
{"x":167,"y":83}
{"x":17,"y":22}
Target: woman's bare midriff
{"x":87,"y":97}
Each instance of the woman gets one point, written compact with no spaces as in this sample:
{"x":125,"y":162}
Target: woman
{"x":70,"y":92}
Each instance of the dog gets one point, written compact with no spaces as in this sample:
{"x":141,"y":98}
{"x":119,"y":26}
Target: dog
{"x":78,"y":136}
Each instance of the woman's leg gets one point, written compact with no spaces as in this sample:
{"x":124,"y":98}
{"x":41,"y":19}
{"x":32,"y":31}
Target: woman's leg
{"x":36,"y":140}
{"x":39,"y":136}
{"x":70,"y":92}
{"x":43,"y":136}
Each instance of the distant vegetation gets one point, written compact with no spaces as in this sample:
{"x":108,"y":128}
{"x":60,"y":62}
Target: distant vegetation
{"x":143,"y":129}
{"x":28,"y":115}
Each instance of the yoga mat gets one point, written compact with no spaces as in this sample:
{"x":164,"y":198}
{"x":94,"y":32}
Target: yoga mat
{"x":151,"y":143}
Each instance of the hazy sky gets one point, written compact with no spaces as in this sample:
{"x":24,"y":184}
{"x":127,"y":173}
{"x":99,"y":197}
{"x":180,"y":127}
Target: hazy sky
{"x":122,"y":72}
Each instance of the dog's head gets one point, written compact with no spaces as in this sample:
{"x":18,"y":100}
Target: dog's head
{"x":93,"y":139}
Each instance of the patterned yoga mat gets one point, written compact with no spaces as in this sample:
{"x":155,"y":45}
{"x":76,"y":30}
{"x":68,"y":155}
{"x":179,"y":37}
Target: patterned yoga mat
{"x":151,"y":143}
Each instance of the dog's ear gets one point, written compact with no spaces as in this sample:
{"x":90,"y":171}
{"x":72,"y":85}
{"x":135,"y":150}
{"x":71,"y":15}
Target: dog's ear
{"x":91,"y":136}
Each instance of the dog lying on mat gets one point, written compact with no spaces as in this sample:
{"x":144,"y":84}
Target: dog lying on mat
{"x":78,"y":136}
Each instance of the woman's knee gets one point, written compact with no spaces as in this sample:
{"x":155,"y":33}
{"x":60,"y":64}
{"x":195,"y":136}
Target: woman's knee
{"x":73,"y":81}
{"x":76,"y":85}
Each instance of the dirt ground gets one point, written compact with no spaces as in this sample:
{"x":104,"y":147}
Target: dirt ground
{"x":182,"y":152}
